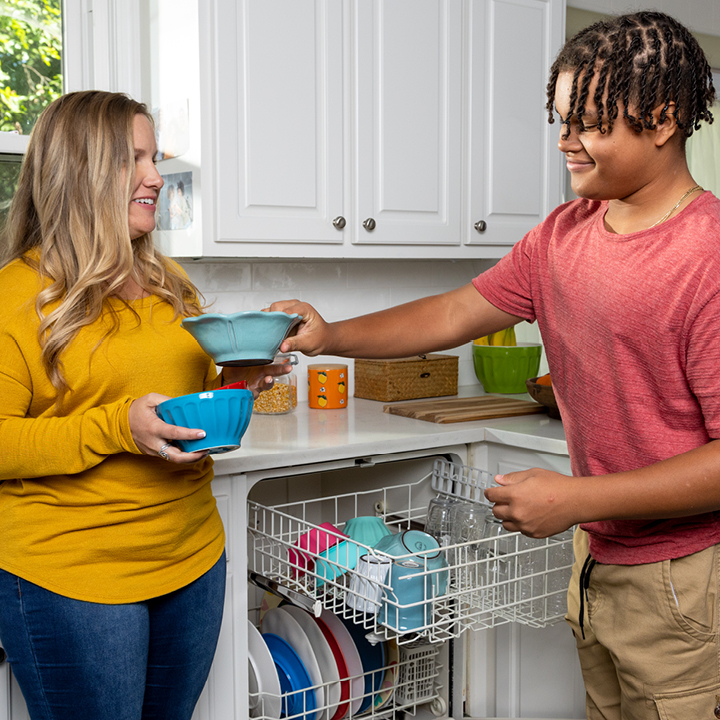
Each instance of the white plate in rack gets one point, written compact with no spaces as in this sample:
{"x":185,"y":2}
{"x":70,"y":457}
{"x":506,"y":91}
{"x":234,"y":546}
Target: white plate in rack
{"x":351,"y":655}
{"x":263,"y":677}
{"x":284,"y":625}
{"x":324,"y":656}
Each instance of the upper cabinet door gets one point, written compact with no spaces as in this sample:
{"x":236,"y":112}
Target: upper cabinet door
{"x":407,"y":116}
{"x":376,"y":128}
{"x":514,"y":172}
{"x":278,"y":140}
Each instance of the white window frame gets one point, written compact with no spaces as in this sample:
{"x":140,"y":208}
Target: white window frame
{"x":101,"y":50}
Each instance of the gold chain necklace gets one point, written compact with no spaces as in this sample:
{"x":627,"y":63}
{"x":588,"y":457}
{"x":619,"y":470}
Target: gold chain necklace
{"x":679,"y":203}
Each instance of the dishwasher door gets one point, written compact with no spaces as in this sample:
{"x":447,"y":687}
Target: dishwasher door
{"x":431,"y":667}
{"x":417,"y":680}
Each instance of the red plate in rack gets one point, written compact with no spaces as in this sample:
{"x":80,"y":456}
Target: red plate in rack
{"x":343,"y":670}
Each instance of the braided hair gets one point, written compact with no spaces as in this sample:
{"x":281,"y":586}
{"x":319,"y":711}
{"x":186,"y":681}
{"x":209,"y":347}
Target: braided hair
{"x":641,"y":61}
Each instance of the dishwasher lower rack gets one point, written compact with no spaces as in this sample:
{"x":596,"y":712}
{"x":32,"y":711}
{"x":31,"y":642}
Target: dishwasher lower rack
{"x":430,"y":594}
{"x":410,"y":678}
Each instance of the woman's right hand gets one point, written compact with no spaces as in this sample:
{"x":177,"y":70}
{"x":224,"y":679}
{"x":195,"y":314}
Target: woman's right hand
{"x":153,"y":436}
{"x":312,"y":336}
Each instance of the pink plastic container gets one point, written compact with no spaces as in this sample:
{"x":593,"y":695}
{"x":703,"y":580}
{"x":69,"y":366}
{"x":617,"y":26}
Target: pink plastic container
{"x":314,"y":541}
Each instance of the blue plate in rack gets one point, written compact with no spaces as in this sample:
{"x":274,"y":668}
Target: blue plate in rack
{"x":294,"y":679}
{"x":373,"y":662}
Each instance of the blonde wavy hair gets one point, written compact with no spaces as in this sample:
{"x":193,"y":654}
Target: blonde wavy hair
{"x":69,"y":220}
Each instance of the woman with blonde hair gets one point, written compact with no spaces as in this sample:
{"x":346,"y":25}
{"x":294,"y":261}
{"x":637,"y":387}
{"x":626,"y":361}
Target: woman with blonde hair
{"x":112,"y":568}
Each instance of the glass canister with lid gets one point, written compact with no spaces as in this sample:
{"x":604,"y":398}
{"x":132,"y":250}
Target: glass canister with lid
{"x":281,"y":398}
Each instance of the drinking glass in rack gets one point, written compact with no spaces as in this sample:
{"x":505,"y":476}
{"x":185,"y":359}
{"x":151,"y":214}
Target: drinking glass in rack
{"x":499,"y":550}
{"x":467,"y":522}
{"x":438,"y":519}
{"x":559,"y":556}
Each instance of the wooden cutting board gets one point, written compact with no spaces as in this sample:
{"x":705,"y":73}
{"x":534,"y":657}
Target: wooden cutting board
{"x":463,"y":409}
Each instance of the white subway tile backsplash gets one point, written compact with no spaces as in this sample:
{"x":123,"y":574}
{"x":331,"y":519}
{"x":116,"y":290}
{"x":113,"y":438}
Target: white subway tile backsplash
{"x":339,"y":290}
{"x":455,"y":274}
{"x":299,"y":276}
{"x":391,"y":273}
{"x":355,"y":302}
{"x":218,"y":277}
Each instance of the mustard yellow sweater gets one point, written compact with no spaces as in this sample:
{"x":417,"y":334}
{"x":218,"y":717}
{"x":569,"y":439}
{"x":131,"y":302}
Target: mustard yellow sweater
{"x":82,"y":512}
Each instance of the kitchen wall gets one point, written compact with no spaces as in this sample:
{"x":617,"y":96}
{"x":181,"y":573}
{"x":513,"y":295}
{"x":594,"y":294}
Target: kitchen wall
{"x":340,"y":290}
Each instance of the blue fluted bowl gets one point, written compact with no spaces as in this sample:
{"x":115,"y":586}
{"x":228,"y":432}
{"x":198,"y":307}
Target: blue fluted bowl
{"x":241,"y":339}
{"x":224,"y":415}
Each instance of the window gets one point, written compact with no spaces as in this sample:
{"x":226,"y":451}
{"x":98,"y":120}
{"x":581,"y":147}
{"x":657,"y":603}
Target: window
{"x":703,"y":148}
{"x":30,"y":78}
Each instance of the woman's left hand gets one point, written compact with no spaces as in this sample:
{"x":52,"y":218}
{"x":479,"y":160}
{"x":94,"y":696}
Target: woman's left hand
{"x":156,"y":438}
{"x":535,"y":502}
{"x":258,"y":378}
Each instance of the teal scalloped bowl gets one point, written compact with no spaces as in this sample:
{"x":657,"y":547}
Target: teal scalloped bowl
{"x":243,"y":338}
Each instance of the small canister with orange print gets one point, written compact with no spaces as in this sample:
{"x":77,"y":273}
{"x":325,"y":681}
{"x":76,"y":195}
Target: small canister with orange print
{"x":327,"y":386}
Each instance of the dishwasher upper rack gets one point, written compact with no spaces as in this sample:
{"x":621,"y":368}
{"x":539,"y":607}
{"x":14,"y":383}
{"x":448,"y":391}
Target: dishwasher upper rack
{"x":509,"y":578}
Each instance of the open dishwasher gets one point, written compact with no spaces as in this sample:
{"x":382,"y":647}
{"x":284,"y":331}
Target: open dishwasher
{"x":480,"y":583}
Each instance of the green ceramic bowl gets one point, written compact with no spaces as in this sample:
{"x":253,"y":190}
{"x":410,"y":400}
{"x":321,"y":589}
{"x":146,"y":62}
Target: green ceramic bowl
{"x":505,"y":368}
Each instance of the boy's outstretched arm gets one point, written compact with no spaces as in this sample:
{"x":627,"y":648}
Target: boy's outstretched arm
{"x":433,"y":323}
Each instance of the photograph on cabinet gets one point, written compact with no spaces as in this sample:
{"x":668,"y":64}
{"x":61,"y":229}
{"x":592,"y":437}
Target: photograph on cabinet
{"x":175,"y":202}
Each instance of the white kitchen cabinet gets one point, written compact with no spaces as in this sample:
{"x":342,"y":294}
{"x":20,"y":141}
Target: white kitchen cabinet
{"x":277,"y":122}
{"x":514,"y":172}
{"x":217,"y":701}
{"x":12,"y":704}
{"x":375,"y":128}
{"x":407,"y":112}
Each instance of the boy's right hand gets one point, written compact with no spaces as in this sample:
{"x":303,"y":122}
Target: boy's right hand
{"x":311,"y":336}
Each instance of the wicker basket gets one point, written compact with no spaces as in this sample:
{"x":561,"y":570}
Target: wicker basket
{"x":422,"y":376}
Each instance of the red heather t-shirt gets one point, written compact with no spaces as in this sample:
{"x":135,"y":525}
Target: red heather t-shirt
{"x":631,"y":327}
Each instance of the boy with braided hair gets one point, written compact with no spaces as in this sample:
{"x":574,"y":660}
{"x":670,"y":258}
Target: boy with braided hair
{"x":624,"y":283}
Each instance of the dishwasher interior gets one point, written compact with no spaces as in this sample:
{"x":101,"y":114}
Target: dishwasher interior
{"x":406,"y":601}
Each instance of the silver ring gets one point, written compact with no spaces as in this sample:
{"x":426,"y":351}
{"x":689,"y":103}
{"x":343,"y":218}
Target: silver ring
{"x":162,"y":453}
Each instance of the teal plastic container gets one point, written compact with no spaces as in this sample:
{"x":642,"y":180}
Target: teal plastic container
{"x":505,"y":368}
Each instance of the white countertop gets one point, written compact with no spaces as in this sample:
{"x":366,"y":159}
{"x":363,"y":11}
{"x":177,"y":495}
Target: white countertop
{"x":308,"y":436}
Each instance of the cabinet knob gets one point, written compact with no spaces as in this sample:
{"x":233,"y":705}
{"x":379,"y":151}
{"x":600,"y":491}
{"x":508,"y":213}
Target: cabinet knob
{"x":339,"y":222}
{"x":369,"y":224}
{"x":480,"y":226}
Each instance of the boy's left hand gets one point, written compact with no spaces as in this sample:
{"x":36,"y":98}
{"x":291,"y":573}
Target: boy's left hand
{"x":535,"y":502}
{"x":258,"y":378}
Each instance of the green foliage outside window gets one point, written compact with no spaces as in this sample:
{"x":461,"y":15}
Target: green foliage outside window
{"x":30,"y":74}
{"x":30,"y":60}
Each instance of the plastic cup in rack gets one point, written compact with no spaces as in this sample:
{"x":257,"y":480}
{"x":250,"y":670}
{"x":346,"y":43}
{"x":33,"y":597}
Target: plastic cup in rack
{"x":366,"y":584}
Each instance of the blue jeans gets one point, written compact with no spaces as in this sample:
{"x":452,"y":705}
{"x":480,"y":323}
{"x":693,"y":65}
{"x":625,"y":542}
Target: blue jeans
{"x":78,"y":660}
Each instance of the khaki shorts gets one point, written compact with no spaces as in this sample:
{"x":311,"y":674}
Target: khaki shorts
{"x":651,"y":637}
